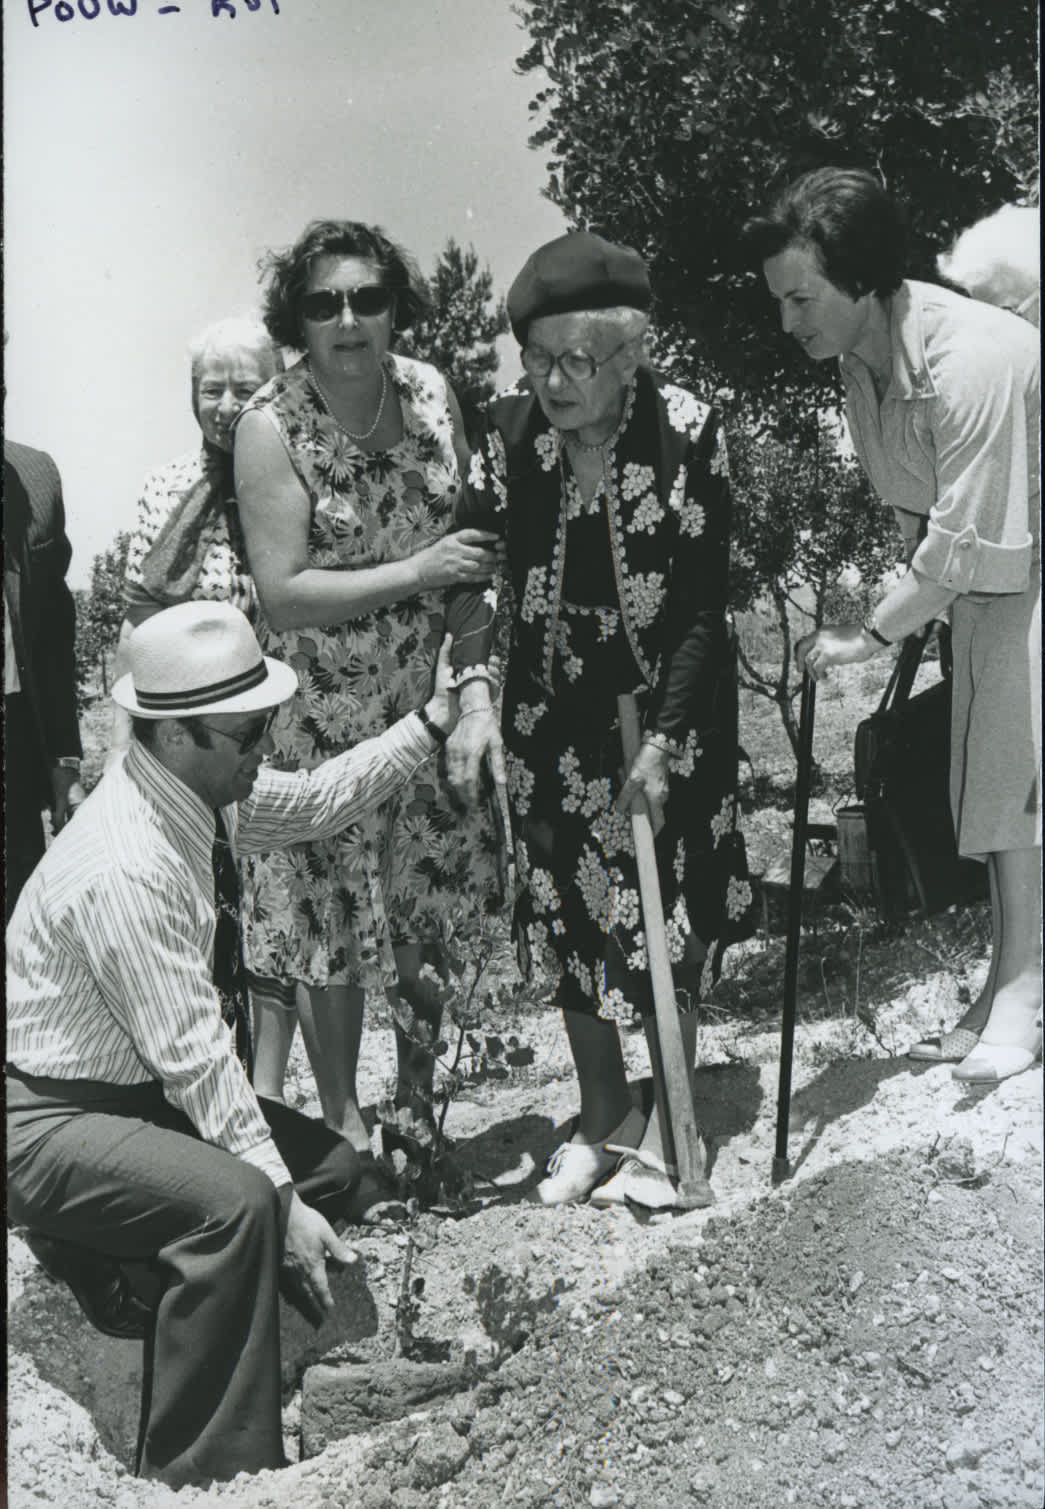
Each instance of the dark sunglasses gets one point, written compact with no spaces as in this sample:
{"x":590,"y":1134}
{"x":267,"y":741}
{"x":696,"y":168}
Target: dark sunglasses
{"x":327,"y":303}
{"x":245,"y":739}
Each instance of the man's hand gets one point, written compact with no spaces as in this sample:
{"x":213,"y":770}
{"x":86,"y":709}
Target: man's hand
{"x":68,"y":794}
{"x":648,"y":776}
{"x":309,"y":1243}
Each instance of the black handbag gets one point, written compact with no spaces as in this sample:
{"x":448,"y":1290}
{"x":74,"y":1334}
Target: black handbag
{"x":902,"y":757}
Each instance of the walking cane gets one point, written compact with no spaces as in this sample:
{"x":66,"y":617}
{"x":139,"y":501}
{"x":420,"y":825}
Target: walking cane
{"x":693,"y":1188}
{"x":781,"y":1166}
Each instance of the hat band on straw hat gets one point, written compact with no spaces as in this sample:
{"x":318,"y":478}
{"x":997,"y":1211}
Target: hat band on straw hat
{"x":203,"y":696}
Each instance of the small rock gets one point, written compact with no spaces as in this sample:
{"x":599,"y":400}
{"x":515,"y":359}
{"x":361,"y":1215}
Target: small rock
{"x":701,"y":1487}
{"x":965,"y":1452}
{"x":986,"y":1364}
{"x":672,"y":1397}
{"x":603,"y":1496}
{"x":951,"y":1274}
{"x":856,"y":1281}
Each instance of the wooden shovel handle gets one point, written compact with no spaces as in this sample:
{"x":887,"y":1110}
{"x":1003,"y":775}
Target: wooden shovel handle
{"x":693,"y":1186}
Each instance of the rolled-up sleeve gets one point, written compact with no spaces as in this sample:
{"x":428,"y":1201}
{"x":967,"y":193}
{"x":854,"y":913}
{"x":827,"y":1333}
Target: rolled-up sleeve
{"x":984,"y":423}
{"x":302,"y":806}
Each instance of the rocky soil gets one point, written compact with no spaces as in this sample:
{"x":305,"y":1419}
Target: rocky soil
{"x":865,"y":1335}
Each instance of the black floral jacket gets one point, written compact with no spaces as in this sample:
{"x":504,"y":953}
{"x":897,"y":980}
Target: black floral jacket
{"x":668,"y":515}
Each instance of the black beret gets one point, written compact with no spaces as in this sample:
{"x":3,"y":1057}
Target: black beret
{"x":577,"y":271}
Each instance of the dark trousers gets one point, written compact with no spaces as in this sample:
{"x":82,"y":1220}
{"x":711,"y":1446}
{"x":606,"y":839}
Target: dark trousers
{"x":23,"y":822}
{"x":117,"y":1169}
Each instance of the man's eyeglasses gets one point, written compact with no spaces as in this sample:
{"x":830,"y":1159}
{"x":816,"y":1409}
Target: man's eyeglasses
{"x":575,"y":366}
{"x":245,"y":739}
{"x":327,"y":303}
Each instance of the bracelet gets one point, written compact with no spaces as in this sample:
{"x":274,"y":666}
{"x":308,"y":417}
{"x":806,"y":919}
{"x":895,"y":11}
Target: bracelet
{"x":662,"y":742}
{"x":870,"y":627}
{"x":440,"y":735}
{"x":69,"y":762}
{"x":467,"y":677}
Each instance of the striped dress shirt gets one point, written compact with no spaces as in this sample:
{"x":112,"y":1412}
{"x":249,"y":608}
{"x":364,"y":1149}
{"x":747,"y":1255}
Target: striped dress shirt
{"x":110,"y":948}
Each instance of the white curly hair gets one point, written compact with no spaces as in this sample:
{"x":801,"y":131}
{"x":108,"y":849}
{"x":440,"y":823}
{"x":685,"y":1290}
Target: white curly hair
{"x":998,"y":260}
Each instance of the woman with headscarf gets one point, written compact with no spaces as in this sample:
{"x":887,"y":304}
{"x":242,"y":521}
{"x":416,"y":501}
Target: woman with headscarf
{"x":187,"y":542}
{"x":610,"y":487}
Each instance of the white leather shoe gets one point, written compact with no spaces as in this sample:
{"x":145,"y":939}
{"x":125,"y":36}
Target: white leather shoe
{"x":575,"y":1168}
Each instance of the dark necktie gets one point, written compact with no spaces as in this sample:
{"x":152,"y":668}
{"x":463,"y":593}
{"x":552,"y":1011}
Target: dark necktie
{"x":230,"y":978}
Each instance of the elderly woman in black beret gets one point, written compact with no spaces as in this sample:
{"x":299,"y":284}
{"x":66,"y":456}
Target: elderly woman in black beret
{"x":610,"y":487}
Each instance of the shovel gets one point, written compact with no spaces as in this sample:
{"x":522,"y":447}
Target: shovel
{"x":781,"y":1165}
{"x":693,"y":1188}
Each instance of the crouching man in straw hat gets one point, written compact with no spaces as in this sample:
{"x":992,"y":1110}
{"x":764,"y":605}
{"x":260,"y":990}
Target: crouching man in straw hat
{"x":137,"y":1147}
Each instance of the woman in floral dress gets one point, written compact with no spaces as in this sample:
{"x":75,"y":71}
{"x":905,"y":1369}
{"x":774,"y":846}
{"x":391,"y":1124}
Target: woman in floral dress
{"x":611,"y":490}
{"x":347,"y":471}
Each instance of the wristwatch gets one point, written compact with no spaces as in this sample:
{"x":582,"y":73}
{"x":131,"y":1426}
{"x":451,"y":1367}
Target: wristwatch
{"x":870,"y":627}
{"x":440,"y":735}
{"x":68,"y":762}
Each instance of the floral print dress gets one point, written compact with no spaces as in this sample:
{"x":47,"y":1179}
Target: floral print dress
{"x":416,"y":869}
{"x":623,"y":594}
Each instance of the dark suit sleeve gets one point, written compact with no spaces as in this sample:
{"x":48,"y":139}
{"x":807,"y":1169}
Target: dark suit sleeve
{"x":57,"y":658}
{"x":45,"y":634}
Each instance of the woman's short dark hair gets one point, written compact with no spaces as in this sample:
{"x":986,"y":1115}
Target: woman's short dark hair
{"x":857,"y":228}
{"x":285,"y":274}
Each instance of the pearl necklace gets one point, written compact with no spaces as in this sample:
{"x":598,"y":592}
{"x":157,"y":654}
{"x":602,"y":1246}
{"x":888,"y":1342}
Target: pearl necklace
{"x":314,"y":380}
{"x":572,"y":438}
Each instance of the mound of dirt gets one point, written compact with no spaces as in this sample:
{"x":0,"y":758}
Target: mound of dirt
{"x":868,"y":1335}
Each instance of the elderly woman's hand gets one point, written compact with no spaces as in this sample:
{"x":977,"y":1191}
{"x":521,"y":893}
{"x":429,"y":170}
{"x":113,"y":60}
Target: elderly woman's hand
{"x":834,"y":644}
{"x":648,"y":776}
{"x":477,"y":734}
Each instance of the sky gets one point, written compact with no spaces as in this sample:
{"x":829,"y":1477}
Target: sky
{"x":151,"y":158}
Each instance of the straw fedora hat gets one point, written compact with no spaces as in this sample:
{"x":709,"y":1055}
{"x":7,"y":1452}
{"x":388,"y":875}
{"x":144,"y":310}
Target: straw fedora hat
{"x":200,"y":657}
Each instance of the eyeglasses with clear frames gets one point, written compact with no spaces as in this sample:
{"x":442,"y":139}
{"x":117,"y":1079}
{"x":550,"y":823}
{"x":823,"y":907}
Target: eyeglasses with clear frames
{"x":245,"y":739}
{"x":575,"y":366}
